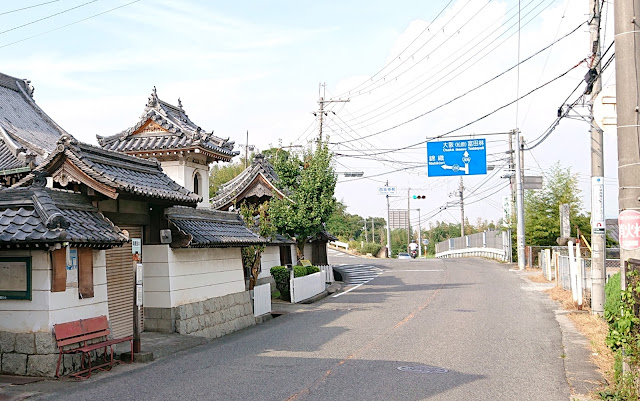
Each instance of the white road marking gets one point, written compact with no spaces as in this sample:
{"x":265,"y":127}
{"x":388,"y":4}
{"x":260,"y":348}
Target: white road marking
{"x":349,"y":290}
{"x":416,"y":270}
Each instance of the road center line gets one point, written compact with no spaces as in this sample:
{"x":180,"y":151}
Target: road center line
{"x":350,"y":289}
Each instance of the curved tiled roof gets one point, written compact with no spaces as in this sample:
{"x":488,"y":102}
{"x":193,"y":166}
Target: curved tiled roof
{"x":128,"y":174}
{"x":209,"y":228}
{"x":236,"y":186}
{"x":35,"y":216}
{"x":172,"y":130}
{"x":22,"y":120}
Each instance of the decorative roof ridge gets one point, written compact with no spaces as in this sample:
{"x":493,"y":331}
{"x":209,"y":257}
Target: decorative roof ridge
{"x":49,"y":213}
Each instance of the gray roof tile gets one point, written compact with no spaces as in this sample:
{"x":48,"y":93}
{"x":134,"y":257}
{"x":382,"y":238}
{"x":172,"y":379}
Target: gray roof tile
{"x":209,"y":228}
{"x":23,"y":120}
{"x":178,"y":132}
{"x":125,"y":173}
{"x":35,"y":215}
{"x":229,"y":191}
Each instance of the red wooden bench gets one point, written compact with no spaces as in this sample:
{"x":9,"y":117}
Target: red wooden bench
{"x":74,"y":337}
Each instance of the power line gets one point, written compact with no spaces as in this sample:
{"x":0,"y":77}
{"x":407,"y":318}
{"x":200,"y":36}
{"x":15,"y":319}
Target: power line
{"x":477,"y":119}
{"x":479,"y":86}
{"x":400,"y":54}
{"x":72,"y":23}
{"x":26,"y":8}
{"x":47,"y":17}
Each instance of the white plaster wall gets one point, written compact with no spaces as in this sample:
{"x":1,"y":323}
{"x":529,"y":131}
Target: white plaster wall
{"x":308,"y":251}
{"x":183,"y":172}
{"x":202,"y":273}
{"x":156,"y":283}
{"x":270,"y":257}
{"x":46,"y":308}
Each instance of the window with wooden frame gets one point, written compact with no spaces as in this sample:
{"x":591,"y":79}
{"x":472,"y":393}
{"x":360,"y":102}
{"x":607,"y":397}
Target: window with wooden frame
{"x":15,"y":278}
{"x":59,"y":260}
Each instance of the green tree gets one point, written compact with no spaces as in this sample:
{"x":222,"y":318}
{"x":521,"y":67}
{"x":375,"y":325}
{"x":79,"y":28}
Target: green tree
{"x":310,"y":180}
{"x":221,"y":174}
{"x":542,"y":214}
{"x":346,"y":226}
{"x":257,"y":219}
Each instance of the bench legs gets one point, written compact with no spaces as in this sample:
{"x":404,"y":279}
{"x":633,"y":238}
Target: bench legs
{"x":109,"y":361}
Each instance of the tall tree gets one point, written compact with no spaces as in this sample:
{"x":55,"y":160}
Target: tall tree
{"x":310,"y":179}
{"x":542,"y":214}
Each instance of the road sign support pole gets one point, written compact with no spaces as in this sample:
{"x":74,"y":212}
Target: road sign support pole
{"x":520,"y":240}
{"x":388,"y":229}
{"x":408,"y":218}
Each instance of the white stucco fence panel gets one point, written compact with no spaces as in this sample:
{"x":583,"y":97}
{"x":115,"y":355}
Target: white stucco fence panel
{"x":306,"y":287}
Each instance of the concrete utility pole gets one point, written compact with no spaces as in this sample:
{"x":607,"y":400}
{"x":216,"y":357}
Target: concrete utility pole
{"x":461,"y":193}
{"x":519,"y":202}
{"x":627,"y":43}
{"x":366,"y":235}
{"x":419,"y":235}
{"x":408,"y":218}
{"x":388,"y":227}
{"x":373,"y":231}
{"x":321,"y":113}
{"x":598,"y":239}
{"x":512,"y":178}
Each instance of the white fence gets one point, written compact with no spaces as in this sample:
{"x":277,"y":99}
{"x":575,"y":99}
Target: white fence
{"x":261,"y":299}
{"x":340,"y":244}
{"x":327,"y":270}
{"x":302,"y":288}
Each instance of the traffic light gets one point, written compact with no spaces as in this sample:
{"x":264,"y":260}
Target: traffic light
{"x":419,"y":197}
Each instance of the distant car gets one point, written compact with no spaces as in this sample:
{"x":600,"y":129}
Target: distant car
{"x":404,"y":255}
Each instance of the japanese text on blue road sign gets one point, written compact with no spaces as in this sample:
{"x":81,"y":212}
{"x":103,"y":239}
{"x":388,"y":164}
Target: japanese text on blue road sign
{"x":466,"y":157}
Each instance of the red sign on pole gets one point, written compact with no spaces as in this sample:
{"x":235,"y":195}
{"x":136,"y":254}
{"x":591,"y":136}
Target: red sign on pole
{"x":629,"y":226}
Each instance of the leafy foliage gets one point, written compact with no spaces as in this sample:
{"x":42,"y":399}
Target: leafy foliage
{"x":281,"y":277}
{"x":312,"y":270}
{"x":542,"y":214}
{"x":221,"y":174}
{"x":311,"y":182}
{"x":257,"y":219}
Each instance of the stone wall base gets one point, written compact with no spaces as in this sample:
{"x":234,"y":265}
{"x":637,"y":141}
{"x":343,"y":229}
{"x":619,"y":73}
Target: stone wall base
{"x":35,"y":354}
{"x":214,"y":317}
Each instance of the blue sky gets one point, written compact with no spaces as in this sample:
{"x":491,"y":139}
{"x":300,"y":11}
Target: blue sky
{"x":256,"y":66}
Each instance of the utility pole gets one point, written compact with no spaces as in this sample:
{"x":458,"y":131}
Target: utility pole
{"x":512,"y":179}
{"x":461,"y":192}
{"x":388,"y":227}
{"x":321,"y":113}
{"x":598,"y":239}
{"x":419,"y":235}
{"x":408,"y":218}
{"x":519,"y":202}
{"x":366,"y":236}
{"x":627,"y":44}
{"x":373,"y":231}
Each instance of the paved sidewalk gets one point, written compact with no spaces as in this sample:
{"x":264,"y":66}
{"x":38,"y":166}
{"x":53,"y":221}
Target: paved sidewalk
{"x":581,"y":374}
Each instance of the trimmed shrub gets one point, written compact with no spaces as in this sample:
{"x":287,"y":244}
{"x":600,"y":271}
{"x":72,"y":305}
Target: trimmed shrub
{"x":281,"y":277}
{"x":312,"y":269}
{"x":299,"y":271}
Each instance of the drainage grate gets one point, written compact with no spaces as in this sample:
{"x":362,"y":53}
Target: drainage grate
{"x":423,"y":369}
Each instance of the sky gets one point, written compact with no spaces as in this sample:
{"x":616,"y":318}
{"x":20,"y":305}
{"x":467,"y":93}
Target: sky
{"x":411,"y":70}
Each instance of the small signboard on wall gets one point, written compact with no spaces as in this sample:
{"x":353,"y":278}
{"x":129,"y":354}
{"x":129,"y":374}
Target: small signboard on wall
{"x":15,"y":278}
{"x":72,"y":267}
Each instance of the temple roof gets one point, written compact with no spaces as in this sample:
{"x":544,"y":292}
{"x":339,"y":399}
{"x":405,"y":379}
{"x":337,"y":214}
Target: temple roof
{"x":163,"y":127}
{"x":258,"y":179}
{"x":36,"y":216}
{"x":27,"y":134}
{"x":198,"y":228}
{"x":110,"y":173}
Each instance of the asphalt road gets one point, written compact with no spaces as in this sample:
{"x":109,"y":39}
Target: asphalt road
{"x":457,"y":329}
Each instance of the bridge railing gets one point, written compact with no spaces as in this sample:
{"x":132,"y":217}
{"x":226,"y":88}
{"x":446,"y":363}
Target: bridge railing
{"x":489,"y":244}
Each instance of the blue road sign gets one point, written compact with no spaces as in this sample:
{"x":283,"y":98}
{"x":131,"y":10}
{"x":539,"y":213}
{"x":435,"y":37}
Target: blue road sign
{"x":465,"y":157}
